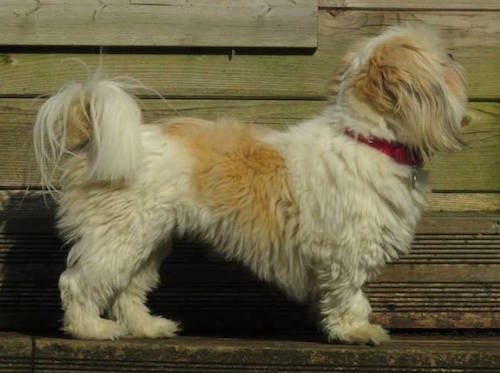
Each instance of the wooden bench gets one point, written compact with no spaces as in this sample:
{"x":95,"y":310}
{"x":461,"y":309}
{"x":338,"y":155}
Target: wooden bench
{"x":271,"y":68}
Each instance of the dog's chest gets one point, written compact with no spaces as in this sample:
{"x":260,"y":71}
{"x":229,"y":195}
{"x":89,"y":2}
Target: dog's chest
{"x":349,"y":209}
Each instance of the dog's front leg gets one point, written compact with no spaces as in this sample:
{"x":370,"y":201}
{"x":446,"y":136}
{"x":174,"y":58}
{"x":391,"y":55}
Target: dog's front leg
{"x":343,"y":308}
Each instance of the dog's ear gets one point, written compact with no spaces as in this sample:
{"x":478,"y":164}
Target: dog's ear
{"x":391,"y":82}
{"x":79,"y":125}
{"x":404,"y":84}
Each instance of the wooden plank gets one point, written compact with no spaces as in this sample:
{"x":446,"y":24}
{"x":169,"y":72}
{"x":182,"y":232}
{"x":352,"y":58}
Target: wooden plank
{"x":448,"y":223}
{"x":438,"y":320}
{"x":471,"y":36}
{"x":412,"y":4}
{"x":223,"y":23}
{"x":298,"y":352}
{"x":16,"y":351}
{"x":189,"y":354}
{"x":481,"y":145}
{"x":474,"y":169}
{"x":464,"y":202}
{"x":449,"y":272}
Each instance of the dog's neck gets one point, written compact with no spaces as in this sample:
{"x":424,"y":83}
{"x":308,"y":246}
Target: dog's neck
{"x":370,"y":128}
{"x":397,"y":151}
{"x":361,"y":118}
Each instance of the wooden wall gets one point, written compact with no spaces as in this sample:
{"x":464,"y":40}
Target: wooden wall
{"x":266,"y":62}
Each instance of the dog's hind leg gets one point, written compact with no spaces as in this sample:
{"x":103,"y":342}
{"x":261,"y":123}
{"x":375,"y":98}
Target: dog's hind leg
{"x":130,"y":308}
{"x":100,"y":269}
{"x":83,"y":305}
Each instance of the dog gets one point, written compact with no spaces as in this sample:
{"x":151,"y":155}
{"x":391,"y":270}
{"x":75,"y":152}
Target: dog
{"x":317,"y":209}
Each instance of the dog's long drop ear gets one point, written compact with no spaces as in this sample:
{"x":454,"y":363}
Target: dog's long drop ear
{"x":386,"y":84}
{"x":79,"y":130}
{"x":406,"y":86}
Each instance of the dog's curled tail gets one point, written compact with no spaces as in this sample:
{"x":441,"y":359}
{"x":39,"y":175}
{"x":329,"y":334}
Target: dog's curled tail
{"x":99,"y":119}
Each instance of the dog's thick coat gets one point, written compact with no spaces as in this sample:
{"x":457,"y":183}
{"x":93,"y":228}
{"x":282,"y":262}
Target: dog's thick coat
{"x":309,"y":208}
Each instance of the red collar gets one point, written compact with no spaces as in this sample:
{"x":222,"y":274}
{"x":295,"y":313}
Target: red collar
{"x":397,"y":151}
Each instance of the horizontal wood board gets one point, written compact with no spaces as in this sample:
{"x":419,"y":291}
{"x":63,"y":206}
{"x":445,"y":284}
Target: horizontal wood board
{"x":188,"y":354}
{"x":477,"y":168}
{"x":222,"y":23}
{"x":247,"y":352}
{"x":412,"y":4}
{"x":16,"y":352}
{"x":471,"y":36}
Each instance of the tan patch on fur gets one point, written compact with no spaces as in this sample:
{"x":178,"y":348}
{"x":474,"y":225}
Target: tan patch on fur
{"x":79,"y":128}
{"x":388,"y":72}
{"x":239,"y":177}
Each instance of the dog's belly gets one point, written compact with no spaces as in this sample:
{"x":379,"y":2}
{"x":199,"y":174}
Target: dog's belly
{"x":272,"y":258}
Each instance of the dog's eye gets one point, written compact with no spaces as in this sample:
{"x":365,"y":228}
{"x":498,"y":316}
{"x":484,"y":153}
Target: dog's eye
{"x":450,"y":55}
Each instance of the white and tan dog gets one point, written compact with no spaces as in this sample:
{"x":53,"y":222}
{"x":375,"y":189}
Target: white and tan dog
{"x":317,"y":209}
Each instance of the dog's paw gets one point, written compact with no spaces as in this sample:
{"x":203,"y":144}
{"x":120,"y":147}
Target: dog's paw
{"x":156,"y":327}
{"x":364,"y":334}
{"x":96,"y":329}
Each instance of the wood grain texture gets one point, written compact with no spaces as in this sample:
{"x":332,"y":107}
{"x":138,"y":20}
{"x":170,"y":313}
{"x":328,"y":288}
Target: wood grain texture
{"x":249,"y":352}
{"x":464,"y":202}
{"x":16,"y":352}
{"x":190,"y":354}
{"x":223,"y":23}
{"x":481,"y":145}
{"x":472,"y":37}
{"x":412,"y":4}
{"x":476,"y":168}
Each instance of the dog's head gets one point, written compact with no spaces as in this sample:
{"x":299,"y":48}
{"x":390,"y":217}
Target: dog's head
{"x":406,"y":78}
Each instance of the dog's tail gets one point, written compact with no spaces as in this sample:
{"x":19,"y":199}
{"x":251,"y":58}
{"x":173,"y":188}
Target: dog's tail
{"x":99,"y":119}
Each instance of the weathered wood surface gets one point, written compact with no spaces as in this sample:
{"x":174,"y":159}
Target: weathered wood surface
{"x":464,"y":202}
{"x":471,"y":36}
{"x":16,"y":353}
{"x":190,"y":354}
{"x":453,"y":5}
{"x":243,"y":352}
{"x":474,"y":169}
{"x":405,"y":353}
{"x":199,"y":23}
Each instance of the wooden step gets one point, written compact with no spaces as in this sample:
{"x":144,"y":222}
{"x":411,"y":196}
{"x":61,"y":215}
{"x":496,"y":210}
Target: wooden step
{"x":405,"y":353}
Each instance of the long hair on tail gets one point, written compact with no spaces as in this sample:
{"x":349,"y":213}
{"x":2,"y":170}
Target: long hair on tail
{"x":100,"y":115}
